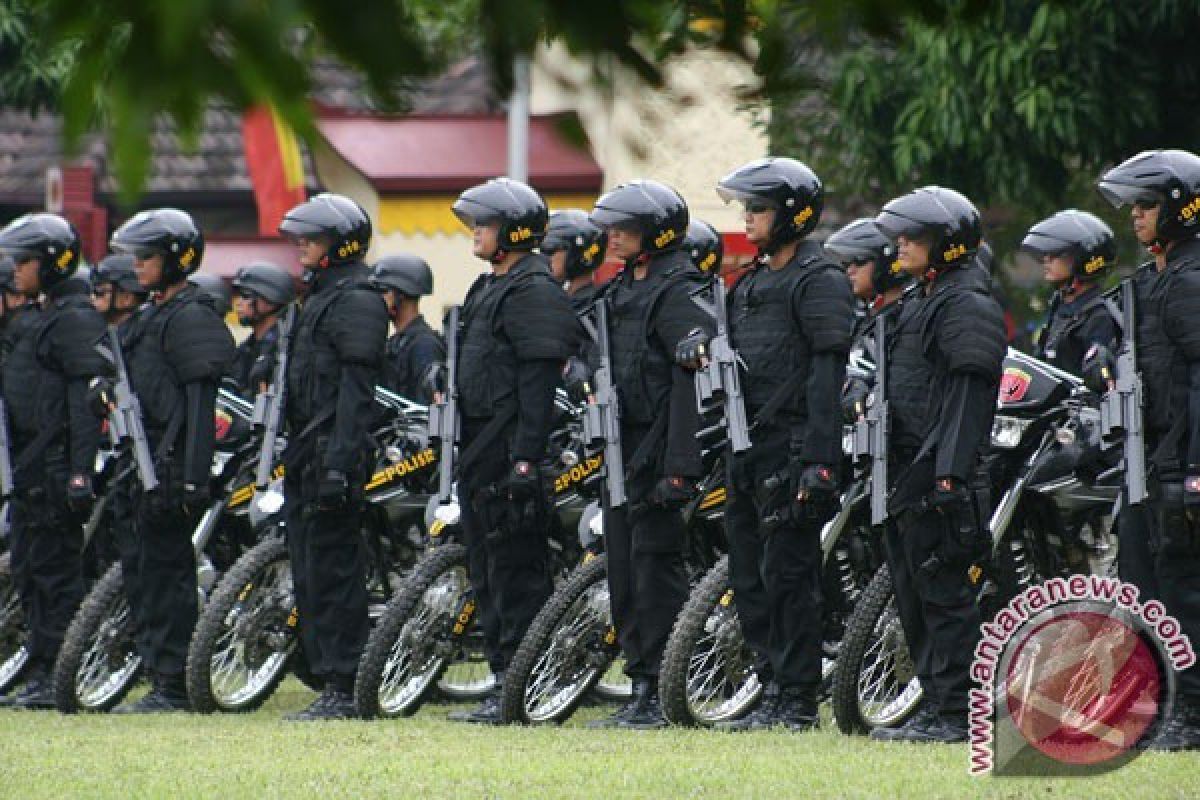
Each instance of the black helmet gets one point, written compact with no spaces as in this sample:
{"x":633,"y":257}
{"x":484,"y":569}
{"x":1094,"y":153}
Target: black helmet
{"x":404,"y":272}
{"x":8,"y":271}
{"x":572,"y":231}
{"x":784,"y":184}
{"x":337,"y":218}
{"x":168,"y":232}
{"x":50,"y":239}
{"x":946,"y":219}
{"x":1169,"y":179}
{"x":269,"y":281}
{"x":654,"y":209}
{"x":862,"y":242}
{"x":518,"y":210}
{"x":1084,"y":237}
{"x":216,"y":288}
{"x":703,"y":246}
{"x":117,"y":269}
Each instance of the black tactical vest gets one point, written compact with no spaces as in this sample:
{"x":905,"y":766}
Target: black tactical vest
{"x":910,"y":375}
{"x":487,"y":362}
{"x":150,"y":372}
{"x":1155,"y":354}
{"x":641,"y":369}
{"x":1059,"y":343}
{"x":32,"y":389}
{"x":768,"y":337}
{"x":314,"y":369}
{"x":397,"y":367}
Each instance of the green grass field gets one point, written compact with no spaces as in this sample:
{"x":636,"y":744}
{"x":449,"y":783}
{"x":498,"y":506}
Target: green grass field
{"x":178,"y":756}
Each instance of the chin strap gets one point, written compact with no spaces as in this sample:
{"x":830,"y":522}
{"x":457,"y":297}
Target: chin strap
{"x":497,"y":256}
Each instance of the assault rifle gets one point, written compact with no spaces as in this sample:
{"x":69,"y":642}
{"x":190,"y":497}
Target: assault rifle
{"x":443,"y":411}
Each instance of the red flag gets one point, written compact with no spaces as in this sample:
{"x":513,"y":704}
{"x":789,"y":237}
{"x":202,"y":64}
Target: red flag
{"x":276,"y":170}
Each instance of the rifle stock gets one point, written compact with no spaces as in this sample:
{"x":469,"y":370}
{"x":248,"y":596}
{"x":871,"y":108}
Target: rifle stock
{"x":602,"y":414}
{"x":126,"y":417}
{"x":1121,"y":418}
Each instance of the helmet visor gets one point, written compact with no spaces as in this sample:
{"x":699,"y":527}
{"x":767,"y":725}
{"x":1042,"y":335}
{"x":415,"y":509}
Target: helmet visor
{"x":606,"y":218}
{"x":895,"y":225}
{"x":1041,"y":245}
{"x":1122,"y":194}
{"x":752,"y":202}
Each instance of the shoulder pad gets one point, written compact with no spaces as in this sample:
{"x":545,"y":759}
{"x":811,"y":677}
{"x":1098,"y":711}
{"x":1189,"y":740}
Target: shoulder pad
{"x":824,"y":305}
{"x":196,"y":342}
{"x":538,"y":320}
{"x":1181,"y":309}
{"x":72,"y":339}
{"x":970,"y":333}
{"x":360,"y":326}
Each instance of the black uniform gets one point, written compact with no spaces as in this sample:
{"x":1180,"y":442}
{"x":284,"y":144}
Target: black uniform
{"x":1073,"y":327}
{"x":337,"y":354}
{"x":55,"y":435}
{"x":410,"y":354}
{"x":644,"y":540}
{"x":961,"y":330}
{"x":254,"y":351}
{"x":176,"y":353}
{"x":792,"y":327}
{"x":517,"y":330}
{"x":1169,"y":359}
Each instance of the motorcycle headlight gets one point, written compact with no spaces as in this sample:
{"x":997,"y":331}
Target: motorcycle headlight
{"x":1007,"y":431}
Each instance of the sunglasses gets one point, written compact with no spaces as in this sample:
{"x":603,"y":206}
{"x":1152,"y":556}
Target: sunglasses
{"x":1146,"y":202}
{"x":246,"y":294}
{"x":101,"y":291}
{"x":756,"y":206}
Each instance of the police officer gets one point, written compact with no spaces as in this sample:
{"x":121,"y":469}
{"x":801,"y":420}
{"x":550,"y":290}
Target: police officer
{"x":116,"y":293}
{"x":176,"y":353}
{"x":791,"y":318}
{"x":264,"y":291}
{"x":939,"y":531}
{"x":415,"y":347}
{"x":575,"y":247}
{"x":336,"y":359}
{"x":1163,"y":188}
{"x":13,"y":306}
{"x":517,"y":331}
{"x":869,"y":259}
{"x":54,"y":436}
{"x":1077,"y":250}
{"x":704,"y":247}
{"x":651,"y":312}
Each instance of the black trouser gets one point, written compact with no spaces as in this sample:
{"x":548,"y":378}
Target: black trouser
{"x":944,"y":601}
{"x":910,"y":611}
{"x":158,"y":566}
{"x":1177,"y":569}
{"x":47,"y":541}
{"x":775,"y":568}
{"x":328,"y":558}
{"x":647,"y":579}
{"x":508,"y":558}
{"x":1137,"y":546}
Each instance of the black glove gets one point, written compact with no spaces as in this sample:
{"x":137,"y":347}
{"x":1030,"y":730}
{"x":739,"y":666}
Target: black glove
{"x":262,"y":371}
{"x":333,"y":491}
{"x":433,"y":382}
{"x":692,"y":350}
{"x":671,"y":492}
{"x":524,"y":481}
{"x":576,"y":377}
{"x":1099,"y":368}
{"x":854,"y":399}
{"x":194,"y":497}
{"x":815,"y":493}
{"x":79,"y":492}
{"x":100,"y":396}
{"x":966,"y":541}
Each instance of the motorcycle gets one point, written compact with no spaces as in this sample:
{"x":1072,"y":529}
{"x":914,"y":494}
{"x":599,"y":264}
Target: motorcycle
{"x":1045,"y":523}
{"x":98,"y":663}
{"x":245,"y":641}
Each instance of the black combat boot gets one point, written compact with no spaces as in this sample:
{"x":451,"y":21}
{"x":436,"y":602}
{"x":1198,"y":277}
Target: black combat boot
{"x":623,"y":713}
{"x":36,"y":695}
{"x":167,"y":693}
{"x":488,"y":712}
{"x":761,"y":718}
{"x":942,"y":729}
{"x":926,"y":716}
{"x":334,"y":702}
{"x":1181,"y":731}
{"x":647,"y":711}
{"x":797,"y":710}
